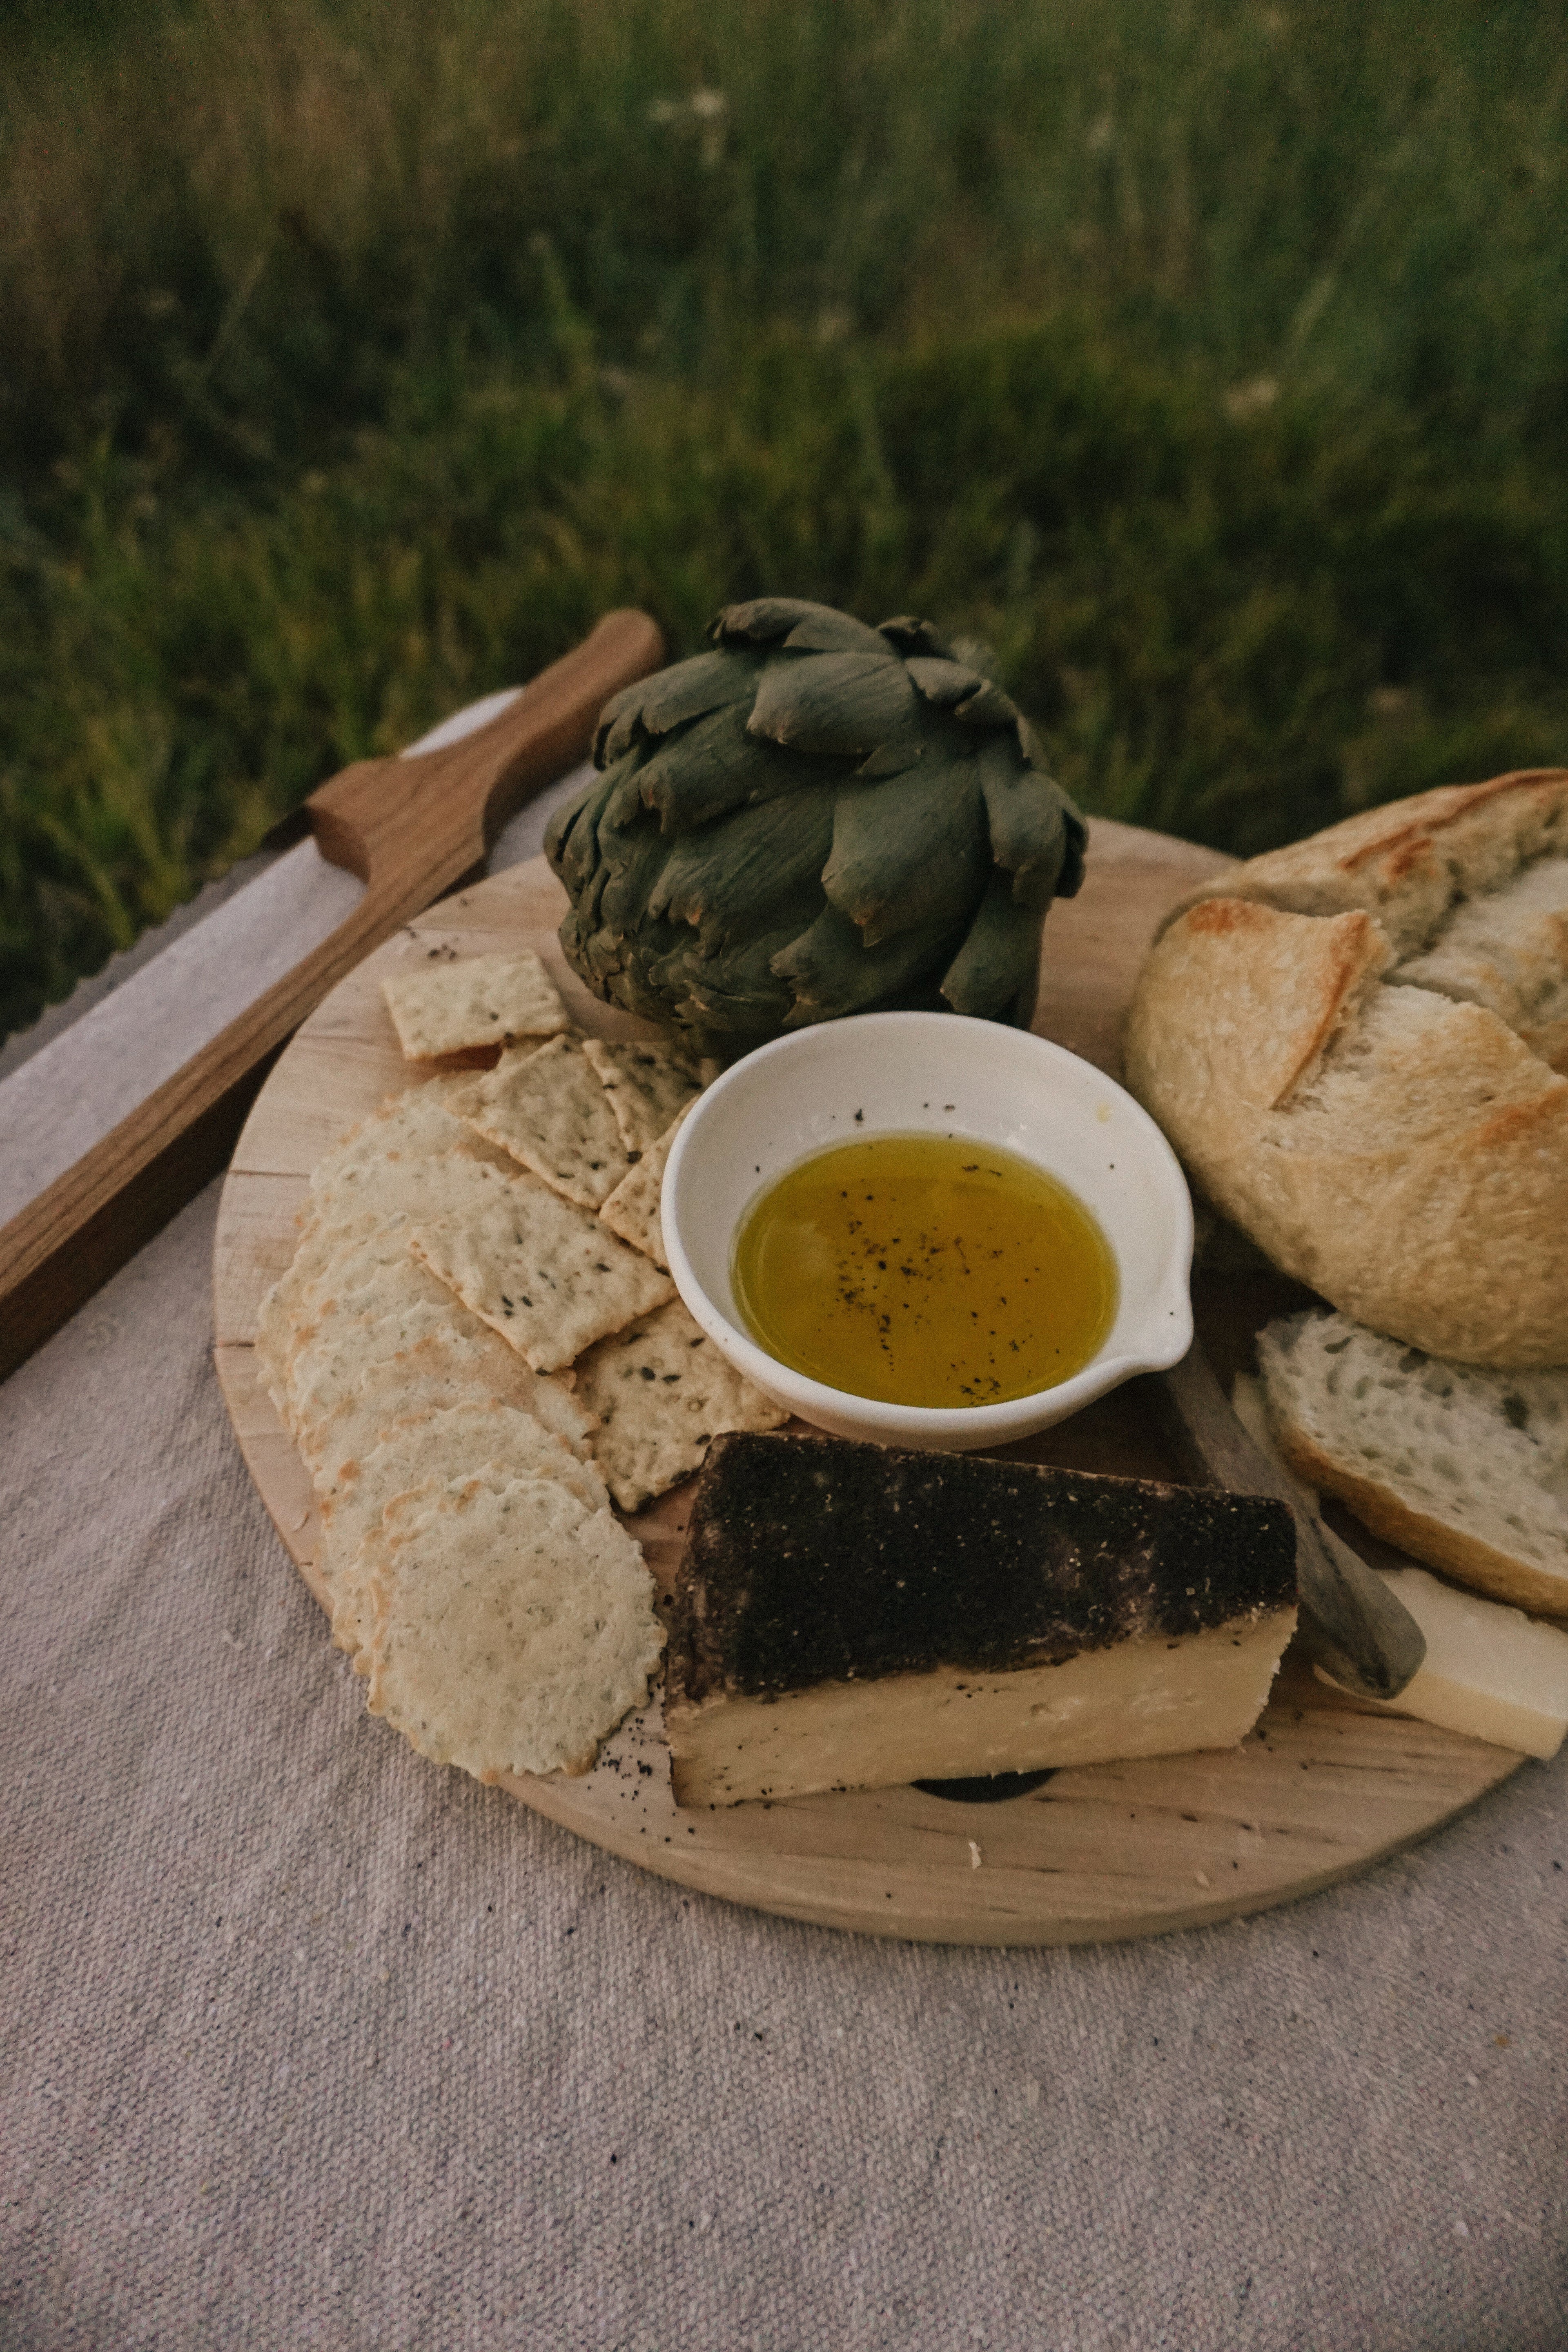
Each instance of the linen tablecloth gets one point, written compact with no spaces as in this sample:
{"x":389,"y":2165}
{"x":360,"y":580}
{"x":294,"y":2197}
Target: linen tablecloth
{"x":306,"y":2042}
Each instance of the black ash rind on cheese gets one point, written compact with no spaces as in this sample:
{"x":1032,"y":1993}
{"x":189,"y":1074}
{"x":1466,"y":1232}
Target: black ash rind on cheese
{"x":816,"y":1560}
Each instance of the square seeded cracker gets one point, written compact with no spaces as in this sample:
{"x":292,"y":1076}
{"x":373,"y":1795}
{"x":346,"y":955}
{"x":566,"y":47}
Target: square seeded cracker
{"x":550,"y":1111}
{"x":441,"y":1007}
{"x":544,"y":1275}
{"x":646,"y":1085}
{"x":512,"y":1631}
{"x":632,"y":1209}
{"x":661,"y":1391}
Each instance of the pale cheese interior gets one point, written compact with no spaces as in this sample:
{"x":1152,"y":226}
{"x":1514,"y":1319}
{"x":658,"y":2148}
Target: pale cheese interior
{"x":1150,"y":1697}
{"x":1489,"y":1672}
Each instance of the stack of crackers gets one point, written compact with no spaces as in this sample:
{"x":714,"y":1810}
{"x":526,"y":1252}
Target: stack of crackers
{"x":478,"y":1350}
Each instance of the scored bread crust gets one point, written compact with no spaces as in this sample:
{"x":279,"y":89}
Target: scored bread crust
{"x":1402,"y":1152}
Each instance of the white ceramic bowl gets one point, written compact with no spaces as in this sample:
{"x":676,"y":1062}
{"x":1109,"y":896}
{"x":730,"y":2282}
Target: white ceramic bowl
{"x":905,"y":1073}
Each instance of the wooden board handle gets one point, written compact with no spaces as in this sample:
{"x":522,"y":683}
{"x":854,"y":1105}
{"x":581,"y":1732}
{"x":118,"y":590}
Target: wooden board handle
{"x":413,"y":829}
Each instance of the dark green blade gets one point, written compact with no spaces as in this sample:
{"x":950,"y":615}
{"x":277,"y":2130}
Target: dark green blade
{"x":910,"y":851}
{"x":728,"y":880}
{"x":692,"y":689}
{"x":847,"y":703}
{"x":831,"y":971}
{"x":1026,"y":822}
{"x":716,"y":766}
{"x":996,"y":974}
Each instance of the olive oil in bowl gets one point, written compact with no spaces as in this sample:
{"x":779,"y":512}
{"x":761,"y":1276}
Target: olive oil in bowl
{"x":925,"y":1270}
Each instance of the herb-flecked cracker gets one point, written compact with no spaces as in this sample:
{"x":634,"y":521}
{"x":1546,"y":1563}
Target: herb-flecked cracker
{"x":549,"y":1111}
{"x":493,"y":1441}
{"x":465,"y":1363}
{"x":661,"y":1391}
{"x":512,"y":1631}
{"x":646,"y":1085}
{"x":439,"y":1007}
{"x":548,"y":1278}
{"x":632,"y":1209}
{"x":424,"y":1123}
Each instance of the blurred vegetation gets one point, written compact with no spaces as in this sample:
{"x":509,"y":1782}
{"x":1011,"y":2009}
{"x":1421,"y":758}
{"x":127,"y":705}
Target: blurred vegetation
{"x":1212,"y":359}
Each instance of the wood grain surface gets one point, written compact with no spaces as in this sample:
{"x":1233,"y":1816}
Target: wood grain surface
{"x":411,"y":829}
{"x":1320,"y":1789}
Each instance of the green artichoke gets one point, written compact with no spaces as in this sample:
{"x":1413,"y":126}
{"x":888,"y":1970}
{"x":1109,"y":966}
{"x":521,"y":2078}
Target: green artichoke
{"x":817,"y":818}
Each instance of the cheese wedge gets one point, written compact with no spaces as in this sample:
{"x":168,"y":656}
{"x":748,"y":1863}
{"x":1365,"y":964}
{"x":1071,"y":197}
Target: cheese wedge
{"x":848,"y":1616}
{"x":1491,"y":1671}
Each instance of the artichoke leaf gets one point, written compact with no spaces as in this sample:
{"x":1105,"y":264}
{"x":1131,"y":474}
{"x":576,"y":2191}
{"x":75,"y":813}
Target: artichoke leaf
{"x":715,"y":766}
{"x":988,"y":706}
{"x":619,"y":724}
{"x":827,"y":632}
{"x":847,"y":703}
{"x":996,"y":974}
{"x":766,"y":620}
{"x":625,"y":804}
{"x":895,"y":757}
{"x":942,"y":682}
{"x":909,"y":635}
{"x":692,"y":689}
{"x":634,"y":858}
{"x":571,"y":835}
{"x":728,"y":880}
{"x":910,"y":851}
{"x":831,"y":970}
{"x":1024,"y":819}
{"x":737,"y":994}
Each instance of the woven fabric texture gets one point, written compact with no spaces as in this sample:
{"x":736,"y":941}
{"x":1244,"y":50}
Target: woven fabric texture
{"x":307,"y":2043}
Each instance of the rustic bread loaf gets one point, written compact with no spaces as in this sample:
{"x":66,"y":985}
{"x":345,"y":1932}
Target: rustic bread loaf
{"x":1354,"y":1044}
{"x":1464,"y":1469}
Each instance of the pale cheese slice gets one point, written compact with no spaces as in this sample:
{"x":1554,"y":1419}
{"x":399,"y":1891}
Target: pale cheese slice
{"x":1489,"y":1672}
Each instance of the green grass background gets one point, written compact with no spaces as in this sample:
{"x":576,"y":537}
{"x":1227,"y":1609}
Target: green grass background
{"x":1211,"y":360}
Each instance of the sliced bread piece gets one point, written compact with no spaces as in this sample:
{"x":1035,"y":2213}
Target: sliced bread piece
{"x":1464,"y":1469}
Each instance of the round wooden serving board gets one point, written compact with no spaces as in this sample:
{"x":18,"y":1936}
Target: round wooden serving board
{"x":1319,"y":1788}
